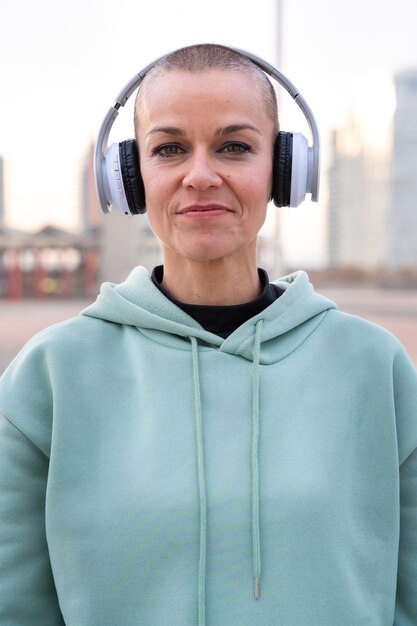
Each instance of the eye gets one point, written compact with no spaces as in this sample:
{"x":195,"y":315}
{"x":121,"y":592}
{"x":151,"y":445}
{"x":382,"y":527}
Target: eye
{"x":236,"y":147}
{"x":167,"y":150}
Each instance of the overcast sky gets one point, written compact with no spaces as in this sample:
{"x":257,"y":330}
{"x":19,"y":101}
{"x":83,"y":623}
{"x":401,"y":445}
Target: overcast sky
{"x":62,"y":63}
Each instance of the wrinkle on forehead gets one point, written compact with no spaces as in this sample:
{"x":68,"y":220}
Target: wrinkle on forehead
{"x":141,"y":108}
{"x":221,"y":132}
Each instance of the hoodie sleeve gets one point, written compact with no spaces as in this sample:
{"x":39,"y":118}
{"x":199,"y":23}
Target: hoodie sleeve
{"x":405,"y":389}
{"x":27,"y":591}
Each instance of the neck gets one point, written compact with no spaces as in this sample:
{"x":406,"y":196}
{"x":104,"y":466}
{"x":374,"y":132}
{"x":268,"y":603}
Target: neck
{"x":220,"y":282}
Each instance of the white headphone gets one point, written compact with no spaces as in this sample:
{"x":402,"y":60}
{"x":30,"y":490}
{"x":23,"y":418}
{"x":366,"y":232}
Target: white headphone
{"x":295,"y":165}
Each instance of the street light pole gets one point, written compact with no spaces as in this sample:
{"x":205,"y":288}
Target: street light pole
{"x":277,"y":221}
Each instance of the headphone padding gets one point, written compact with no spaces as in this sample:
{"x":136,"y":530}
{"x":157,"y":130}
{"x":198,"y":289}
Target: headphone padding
{"x":132,"y":178}
{"x":282,"y":168}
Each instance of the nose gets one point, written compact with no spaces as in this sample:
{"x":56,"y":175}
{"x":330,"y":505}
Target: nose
{"x":201,"y":173}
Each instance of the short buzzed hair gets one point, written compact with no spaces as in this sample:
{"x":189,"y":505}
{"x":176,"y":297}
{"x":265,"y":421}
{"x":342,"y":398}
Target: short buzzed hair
{"x":203,"y":57}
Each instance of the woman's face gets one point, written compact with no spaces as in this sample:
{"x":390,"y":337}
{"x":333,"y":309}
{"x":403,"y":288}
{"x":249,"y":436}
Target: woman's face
{"x":205,"y":142}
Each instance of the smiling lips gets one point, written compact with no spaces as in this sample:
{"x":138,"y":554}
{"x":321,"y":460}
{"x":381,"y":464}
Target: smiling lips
{"x":204,"y":210}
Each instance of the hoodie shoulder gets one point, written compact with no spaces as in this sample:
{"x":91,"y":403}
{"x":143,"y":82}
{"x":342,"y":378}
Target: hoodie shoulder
{"x":56,"y":336}
{"x":363,"y":328}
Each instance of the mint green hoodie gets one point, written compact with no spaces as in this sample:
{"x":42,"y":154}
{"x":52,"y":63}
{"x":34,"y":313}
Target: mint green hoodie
{"x":151,"y":471}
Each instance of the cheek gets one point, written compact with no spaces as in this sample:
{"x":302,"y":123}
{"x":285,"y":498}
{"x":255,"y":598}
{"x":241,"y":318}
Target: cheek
{"x":159,"y":223}
{"x":256,"y":186}
{"x":157,"y":188}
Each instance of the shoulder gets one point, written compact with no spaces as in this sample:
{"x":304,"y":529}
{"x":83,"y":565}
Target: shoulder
{"x":351,"y":328}
{"x":44,"y":363}
{"x":63,"y":338}
{"x":362,"y":345}
{"x":377,"y":356}
{"x":382,"y":351}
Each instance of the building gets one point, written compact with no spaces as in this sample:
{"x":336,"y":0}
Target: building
{"x":358,"y":206}
{"x":403,"y":216}
{"x":372,"y":216}
{"x":50,"y":263}
{"x":2,"y":193}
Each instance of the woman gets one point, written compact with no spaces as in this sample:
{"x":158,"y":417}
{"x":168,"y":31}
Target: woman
{"x":201,"y":446}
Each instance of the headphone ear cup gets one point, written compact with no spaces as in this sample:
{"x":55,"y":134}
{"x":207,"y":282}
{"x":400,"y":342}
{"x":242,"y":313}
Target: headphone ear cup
{"x":282,"y":169}
{"x":131,"y":176}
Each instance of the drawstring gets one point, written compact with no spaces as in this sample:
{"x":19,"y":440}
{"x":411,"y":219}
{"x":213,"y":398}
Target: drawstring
{"x":201,"y":487}
{"x":256,"y":549}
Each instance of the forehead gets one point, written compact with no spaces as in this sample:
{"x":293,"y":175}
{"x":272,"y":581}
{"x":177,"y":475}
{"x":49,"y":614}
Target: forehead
{"x":184,"y":94}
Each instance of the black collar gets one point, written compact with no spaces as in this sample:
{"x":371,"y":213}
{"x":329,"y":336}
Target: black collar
{"x":223,"y":320}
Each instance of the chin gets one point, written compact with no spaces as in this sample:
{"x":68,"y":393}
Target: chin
{"x":206,"y":248}
{"x":207,"y":257}
{"x":221,"y":255}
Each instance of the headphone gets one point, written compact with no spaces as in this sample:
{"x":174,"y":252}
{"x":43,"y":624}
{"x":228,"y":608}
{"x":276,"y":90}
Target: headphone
{"x":295,"y":164}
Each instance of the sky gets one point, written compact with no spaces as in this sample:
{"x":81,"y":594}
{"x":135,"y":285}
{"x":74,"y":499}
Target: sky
{"x":62,"y":64}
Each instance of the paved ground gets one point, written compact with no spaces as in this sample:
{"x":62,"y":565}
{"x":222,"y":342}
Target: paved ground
{"x":394,"y":309}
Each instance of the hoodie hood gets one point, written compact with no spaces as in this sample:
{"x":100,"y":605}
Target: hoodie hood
{"x":292,"y":317}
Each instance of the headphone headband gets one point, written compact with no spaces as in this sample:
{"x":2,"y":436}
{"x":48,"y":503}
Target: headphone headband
{"x":310,"y":155}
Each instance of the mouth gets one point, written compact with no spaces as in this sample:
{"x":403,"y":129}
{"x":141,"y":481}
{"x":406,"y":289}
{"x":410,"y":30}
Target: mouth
{"x":204,"y":210}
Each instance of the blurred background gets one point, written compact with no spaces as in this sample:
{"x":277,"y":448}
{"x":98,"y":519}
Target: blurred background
{"x":62,"y":64}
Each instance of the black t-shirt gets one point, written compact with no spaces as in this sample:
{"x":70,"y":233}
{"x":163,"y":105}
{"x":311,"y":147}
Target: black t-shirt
{"x":223,"y":320}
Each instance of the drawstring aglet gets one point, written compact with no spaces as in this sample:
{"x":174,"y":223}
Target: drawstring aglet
{"x":257,"y":588}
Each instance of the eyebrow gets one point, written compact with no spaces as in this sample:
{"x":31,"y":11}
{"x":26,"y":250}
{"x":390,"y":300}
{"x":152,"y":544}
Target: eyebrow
{"x":168,"y":130}
{"x":221,"y":132}
{"x":234,"y":128}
